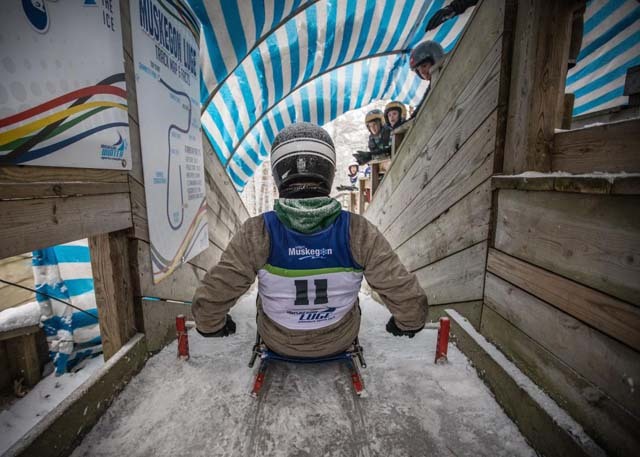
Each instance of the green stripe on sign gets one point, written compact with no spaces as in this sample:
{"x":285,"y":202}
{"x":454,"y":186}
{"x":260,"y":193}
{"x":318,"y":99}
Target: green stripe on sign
{"x":299,"y":273}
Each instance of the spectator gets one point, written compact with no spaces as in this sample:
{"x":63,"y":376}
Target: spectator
{"x":379,"y":133}
{"x":423,"y":58}
{"x":395,"y":114}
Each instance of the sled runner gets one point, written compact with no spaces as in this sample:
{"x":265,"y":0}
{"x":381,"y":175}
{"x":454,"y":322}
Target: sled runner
{"x":266,"y":356}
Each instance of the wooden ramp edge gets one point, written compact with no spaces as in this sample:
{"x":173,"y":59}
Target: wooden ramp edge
{"x":64,"y":427}
{"x":547,"y":427}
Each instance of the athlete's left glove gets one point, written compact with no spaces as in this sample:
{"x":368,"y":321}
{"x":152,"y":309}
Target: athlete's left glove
{"x":228,"y":329}
{"x":393,"y":328}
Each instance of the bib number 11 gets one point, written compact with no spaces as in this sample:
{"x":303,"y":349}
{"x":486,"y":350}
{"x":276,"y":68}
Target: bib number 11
{"x":302,"y":292}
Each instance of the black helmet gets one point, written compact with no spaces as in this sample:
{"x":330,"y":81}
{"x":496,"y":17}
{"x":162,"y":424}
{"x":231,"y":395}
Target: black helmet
{"x":303,"y":161}
{"x":399,"y":107}
{"x":425,"y":51}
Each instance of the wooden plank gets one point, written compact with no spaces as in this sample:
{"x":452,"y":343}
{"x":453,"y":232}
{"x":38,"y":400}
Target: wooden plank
{"x":469,"y":55}
{"x":610,"y":365}
{"x":16,"y":269}
{"x":219,"y":233}
{"x":632,"y":81}
{"x":567,"y":114}
{"x":606,"y":116}
{"x":469,"y":168}
{"x":18,"y":174}
{"x":471,"y":310}
{"x":207,"y":258}
{"x":476,"y":102}
{"x":590,"y":239}
{"x":113,"y":289}
{"x":62,"y":189}
{"x":456,"y":278}
{"x":139,"y":210}
{"x":611,"y":148}
{"x":16,"y":332}
{"x":23,"y":358}
{"x":216,"y":174}
{"x":608,"y":423}
{"x":180,"y":285}
{"x":160,"y":321}
{"x":603,"y":312}
{"x":466,"y":223}
{"x":26,"y":225}
{"x":11,"y":296}
{"x":136,"y":151}
{"x":536,"y":95}
{"x":621,"y":184}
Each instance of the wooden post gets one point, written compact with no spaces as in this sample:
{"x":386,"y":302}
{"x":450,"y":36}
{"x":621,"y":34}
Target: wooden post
{"x":567,"y":112}
{"x":375,"y":177}
{"x":361,"y":197}
{"x":114,"y":292}
{"x":352,"y":202}
{"x":23,"y":352}
{"x":536,"y":96}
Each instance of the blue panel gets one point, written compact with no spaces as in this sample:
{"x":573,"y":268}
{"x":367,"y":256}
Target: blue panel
{"x":311,"y":20}
{"x":234,"y":26}
{"x":215,"y":57}
{"x":294,"y":50}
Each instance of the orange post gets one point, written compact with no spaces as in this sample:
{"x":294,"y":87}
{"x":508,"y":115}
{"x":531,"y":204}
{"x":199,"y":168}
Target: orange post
{"x":443,"y":340}
{"x":183,"y":338}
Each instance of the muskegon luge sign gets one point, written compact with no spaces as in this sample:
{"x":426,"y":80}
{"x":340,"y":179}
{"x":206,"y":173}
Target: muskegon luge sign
{"x":166,"y":58}
{"x":63,"y":99}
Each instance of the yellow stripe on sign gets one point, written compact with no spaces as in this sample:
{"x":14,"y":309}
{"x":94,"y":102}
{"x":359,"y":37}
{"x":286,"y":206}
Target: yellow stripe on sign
{"x":26,"y":129}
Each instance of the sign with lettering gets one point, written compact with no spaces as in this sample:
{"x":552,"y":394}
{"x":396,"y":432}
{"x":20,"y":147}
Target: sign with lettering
{"x":166,"y":37}
{"x":63,"y":100}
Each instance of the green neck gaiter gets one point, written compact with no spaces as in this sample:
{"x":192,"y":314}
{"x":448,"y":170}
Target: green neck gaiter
{"x":307,"y":215}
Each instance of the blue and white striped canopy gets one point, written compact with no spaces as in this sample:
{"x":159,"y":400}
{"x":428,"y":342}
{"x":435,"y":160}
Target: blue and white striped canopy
{"x":266,"y":64}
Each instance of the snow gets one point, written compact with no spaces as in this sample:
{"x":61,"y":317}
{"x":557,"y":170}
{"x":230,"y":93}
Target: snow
{"x":20,"y":316}
{"x":202,"y":406}
{"x":27,"y":412}
{"x":611,"y":177}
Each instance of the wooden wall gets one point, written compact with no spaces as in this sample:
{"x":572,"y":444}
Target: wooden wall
{"x":562,"y":290}
{"x":434,"y":204}
{"x":562,"y":286}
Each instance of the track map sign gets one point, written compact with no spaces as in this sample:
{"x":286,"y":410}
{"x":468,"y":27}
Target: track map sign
{"x":63,"y":100}
{"x":166,"y":58}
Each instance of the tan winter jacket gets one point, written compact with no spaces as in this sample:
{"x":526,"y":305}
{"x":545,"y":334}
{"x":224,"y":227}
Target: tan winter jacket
{"x":248,"y":252}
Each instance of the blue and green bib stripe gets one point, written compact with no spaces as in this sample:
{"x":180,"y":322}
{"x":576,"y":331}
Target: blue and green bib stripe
{"x":310,"y":280}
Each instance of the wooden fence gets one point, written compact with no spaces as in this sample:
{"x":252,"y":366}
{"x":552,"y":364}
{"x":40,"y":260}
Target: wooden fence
{"x":545,"y":264}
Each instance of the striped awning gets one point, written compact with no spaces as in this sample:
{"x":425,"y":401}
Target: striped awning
{"x":267,"y":64}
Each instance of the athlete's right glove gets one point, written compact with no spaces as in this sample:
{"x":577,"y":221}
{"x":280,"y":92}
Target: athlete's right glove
{"x":393,"y":328}
{"x":228,"y":329}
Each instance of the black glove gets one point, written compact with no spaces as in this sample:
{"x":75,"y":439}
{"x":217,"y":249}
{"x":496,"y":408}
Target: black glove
{"x":442,"y":15}
{"x":228,"y":329}
{"x":396,"y":331}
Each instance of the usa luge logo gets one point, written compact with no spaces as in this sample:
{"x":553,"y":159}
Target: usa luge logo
{"x":37,"y":15}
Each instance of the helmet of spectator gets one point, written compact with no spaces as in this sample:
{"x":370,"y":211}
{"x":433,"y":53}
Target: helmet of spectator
{"x":375,"y":114}
{"x":427,"y":51}
{"x":399,"y":107}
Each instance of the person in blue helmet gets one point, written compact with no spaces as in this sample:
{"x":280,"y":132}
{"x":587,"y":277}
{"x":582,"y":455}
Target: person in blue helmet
{"x":310,"y":257}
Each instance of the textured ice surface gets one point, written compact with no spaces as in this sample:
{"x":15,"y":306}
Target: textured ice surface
{"x":202,"y":408}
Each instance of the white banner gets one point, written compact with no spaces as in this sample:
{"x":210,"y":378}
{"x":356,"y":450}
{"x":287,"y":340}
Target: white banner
{"x":167,"y":67}
{"x":63,"y":99}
